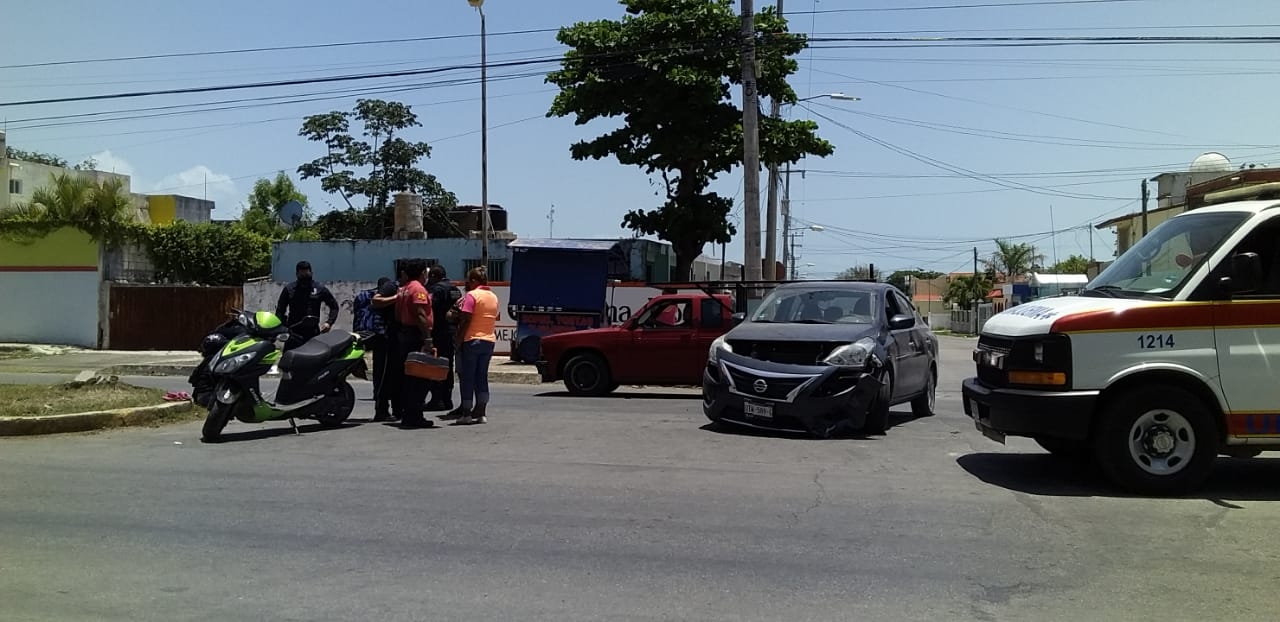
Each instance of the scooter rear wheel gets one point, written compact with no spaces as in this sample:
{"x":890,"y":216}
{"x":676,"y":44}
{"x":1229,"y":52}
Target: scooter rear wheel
{"x":219,"y":415}
{"x":338,"y":406}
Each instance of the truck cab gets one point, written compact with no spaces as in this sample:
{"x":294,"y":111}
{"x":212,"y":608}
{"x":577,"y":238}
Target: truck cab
{"x":1168,"y":358}
{"x":664,"y":344}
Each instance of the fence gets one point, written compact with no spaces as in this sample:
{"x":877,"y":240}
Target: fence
{"x":962,"y":319}
{"x":165,"y":317}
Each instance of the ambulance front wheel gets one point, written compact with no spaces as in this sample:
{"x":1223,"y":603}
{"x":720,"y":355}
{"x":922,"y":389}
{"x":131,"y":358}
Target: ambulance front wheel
{"x":1156,"y":440}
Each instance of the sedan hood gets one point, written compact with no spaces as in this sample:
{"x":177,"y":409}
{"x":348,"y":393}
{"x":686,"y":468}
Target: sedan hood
{"x":765,"y":331}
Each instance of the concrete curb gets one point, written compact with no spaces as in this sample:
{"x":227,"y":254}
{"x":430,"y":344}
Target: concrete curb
{"x":84,"y":422}
{"x":495,"y":376}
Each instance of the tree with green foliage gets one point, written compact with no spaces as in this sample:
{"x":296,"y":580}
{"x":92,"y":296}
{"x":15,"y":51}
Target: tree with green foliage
{"x":1075,"y":264}
{"x":667,"y":69}
{"x":265,"y":200}
{"x":103,"y":210}
{"x":1014,"y":260}
{"x":901,"y":278}
{"x":36,"y":157}
{"x":964,"y":290}
{"x":855,"y":273}
{"x":374,"y":166}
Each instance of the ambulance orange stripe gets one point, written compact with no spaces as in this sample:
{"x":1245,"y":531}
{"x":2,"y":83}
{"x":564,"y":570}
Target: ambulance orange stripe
{"x":1174,"y":316}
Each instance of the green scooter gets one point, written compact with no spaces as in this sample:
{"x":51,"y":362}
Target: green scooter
{"x":313,"y":383}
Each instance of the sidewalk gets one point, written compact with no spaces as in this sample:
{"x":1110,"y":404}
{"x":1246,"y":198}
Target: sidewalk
{"x":61,"y":360}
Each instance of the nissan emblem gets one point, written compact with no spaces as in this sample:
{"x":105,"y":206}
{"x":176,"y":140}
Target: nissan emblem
{"x":760,"y":386}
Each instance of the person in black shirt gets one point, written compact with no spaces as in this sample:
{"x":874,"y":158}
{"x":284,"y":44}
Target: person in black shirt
{"x":392,"y":377}
{"x":444,"y":295}
{"x":300,"y":304}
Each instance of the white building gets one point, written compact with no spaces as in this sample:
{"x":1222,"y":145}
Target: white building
{"x":19,"y":179}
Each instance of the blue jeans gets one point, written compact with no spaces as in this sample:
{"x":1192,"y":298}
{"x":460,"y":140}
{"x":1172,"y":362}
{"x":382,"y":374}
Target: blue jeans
{"x":473,"y":371}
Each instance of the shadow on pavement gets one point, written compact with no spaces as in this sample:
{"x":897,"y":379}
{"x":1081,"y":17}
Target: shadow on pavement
{"x":1045,"y":475}
{"x":732,"y":429}
{"x":260,"y":433}
{"x":625,"y":396}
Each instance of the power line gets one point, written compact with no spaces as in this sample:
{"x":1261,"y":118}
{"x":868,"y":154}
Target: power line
{"x":957,"y":169}
{"x":312,"y":46}
{"x":948,"y":7}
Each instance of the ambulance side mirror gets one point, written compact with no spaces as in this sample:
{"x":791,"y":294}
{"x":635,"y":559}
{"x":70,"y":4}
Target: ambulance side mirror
{"x":1246,"y":274}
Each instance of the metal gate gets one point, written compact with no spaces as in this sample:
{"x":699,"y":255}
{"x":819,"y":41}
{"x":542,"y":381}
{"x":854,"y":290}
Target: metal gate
{"x":166,"y":317}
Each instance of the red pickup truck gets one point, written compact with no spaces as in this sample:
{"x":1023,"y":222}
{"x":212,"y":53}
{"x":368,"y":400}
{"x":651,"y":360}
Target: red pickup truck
{"x":664,"y":344}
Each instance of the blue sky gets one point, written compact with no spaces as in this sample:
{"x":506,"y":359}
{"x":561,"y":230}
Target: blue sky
{"x":1088,"y":122}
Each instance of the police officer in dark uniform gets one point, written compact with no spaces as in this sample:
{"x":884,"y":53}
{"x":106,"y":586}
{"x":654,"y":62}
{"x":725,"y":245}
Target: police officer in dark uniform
{"x":444,"y":296}
{"x":301,"y":300}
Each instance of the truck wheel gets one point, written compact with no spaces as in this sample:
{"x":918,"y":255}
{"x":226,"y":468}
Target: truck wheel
{"x":1158,"y":440}
{"x":878,"y":413}
{"x":1065,"y":449}
{"x":588,"y":375}
{"x":923,"y":406}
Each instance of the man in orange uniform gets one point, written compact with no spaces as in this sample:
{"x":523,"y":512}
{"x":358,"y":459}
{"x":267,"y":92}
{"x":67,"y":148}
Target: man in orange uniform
{"x":413,"y":314}
{"x":476,"y":339}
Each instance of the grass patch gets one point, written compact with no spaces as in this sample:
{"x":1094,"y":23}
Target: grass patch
{"x":29,"y":400}
{"x":16,"y":353}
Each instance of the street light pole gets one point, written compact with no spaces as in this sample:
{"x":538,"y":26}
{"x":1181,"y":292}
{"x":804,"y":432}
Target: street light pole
{"x":750,"y":147}
{"x":484,"y":136}
{"x":771,"y":218}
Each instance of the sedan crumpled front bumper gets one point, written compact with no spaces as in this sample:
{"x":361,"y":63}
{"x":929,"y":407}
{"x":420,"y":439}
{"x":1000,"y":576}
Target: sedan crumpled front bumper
{"x":810,"y":399}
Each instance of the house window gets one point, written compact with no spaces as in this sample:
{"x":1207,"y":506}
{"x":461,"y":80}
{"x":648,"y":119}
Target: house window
{"x":15,"y":186}
{"x":497,"y":270}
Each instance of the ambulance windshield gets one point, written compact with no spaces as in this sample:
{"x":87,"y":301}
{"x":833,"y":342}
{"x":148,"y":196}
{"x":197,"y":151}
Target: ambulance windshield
{"x":1160,"y":263}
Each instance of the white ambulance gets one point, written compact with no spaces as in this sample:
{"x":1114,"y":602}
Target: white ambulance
{"x":1170,"y":357}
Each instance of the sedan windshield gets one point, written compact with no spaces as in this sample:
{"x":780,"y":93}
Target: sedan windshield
{"x":1160,"y":263}
{"x":817,"y":306}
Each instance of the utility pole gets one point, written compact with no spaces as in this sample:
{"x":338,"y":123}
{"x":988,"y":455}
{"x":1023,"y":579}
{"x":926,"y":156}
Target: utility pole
{"x":1146,"y":194}
{"x":1091,"y":230}
{"x":976,"y":288}
{"x":750,"y":146}
{"x":788,"y":253}
{"x":551,"y":218}
{"x":771,"y":219}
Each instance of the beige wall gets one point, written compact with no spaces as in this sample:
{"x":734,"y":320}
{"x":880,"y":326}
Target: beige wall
{"x":30,"y":175}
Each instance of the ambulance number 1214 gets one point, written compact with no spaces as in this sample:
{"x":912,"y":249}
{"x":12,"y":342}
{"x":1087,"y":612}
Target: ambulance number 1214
{"x":1155,"y":342}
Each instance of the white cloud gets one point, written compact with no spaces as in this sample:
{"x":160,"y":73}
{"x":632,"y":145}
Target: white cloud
{"x":111,"y":163}
{"x":202,"y":183}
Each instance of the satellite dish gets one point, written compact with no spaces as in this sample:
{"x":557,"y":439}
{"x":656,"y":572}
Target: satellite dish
{"x":291,"y":214}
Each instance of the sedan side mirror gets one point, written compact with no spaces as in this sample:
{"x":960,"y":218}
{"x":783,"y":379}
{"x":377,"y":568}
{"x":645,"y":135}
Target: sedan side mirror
{"x":902,"y":321}
{"x":1246,"y":274}
{"x":738,"y":318}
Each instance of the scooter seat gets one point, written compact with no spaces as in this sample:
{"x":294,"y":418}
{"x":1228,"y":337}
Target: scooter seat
{"x":317,"y":351}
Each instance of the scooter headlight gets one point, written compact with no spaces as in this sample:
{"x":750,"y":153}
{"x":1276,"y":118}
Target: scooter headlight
{"x":230,"y":365}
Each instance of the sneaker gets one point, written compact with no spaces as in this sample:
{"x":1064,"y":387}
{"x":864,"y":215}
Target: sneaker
{"x":456,"y":413}
{"x":440,"y":406}
{"x":471,"y":420}
{"x":411,"y":424}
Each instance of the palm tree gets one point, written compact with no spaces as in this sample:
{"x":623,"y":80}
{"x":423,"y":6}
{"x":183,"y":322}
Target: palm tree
{"x":103,"y":210}
{"x":1014,"y":260}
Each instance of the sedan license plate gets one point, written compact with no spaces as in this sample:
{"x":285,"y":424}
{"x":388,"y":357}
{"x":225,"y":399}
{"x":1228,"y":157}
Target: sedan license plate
{"x":758,"y":411}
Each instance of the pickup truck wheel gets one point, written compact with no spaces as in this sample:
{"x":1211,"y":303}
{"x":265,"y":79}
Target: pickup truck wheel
{"x":1158,"y":440}
{"x":588,"y":375}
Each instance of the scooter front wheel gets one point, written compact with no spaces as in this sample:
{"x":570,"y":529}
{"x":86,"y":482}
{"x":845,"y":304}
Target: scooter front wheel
{"x":219,"y":415}
{"x":338,"y":406}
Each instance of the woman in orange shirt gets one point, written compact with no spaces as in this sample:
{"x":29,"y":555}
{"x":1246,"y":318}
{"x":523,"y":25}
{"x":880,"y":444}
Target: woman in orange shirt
{"x":476,"y":339}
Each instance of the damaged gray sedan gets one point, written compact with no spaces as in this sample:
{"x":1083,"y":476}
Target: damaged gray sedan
{"x":823,"y":358}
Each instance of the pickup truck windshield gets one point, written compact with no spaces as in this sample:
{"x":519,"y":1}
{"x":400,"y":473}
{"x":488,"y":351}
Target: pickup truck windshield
{"x":816,"y":306}
{"x":1160,"y":263}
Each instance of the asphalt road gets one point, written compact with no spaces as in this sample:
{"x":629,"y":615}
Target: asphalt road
{"x":622,"y":508}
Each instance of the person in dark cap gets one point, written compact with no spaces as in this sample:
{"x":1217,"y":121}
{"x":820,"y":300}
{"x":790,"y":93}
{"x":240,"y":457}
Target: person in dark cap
{"x":444,"y":296}
{"x":299,"y":305}
{"x":373,"y":314}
